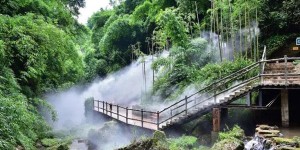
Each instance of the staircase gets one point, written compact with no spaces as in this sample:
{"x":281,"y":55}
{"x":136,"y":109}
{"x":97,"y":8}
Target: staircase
{"x":275,"y":74}
{"x":198,"y":107}
{"x":282,"y":72}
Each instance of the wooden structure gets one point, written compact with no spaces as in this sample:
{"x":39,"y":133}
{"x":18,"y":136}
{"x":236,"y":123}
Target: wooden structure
{"x":279,"y":73}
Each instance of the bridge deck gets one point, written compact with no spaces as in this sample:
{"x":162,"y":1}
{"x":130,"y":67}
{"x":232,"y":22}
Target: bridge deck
{"x":128,"y":115}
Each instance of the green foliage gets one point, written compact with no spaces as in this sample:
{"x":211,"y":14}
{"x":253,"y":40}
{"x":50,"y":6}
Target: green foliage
{"x":230,"y":139}
{"x":119,"y":36}
{"x":232,"y":143}
{"x":54,"y":9}
{"x":97,"y":24}
{"x":214,"y":71}
{"x":19,"y":123}
{"x":159,"y":135}
{"x":275,"y":42}
{"x":235,"y":132}
{"x":40,"y":55}
{"x":180,"y":69}
{"x":182,"y":143}
{"x":48,"y":142}
{"x":57,"y":143}
{"x":38,"y":52}
{"x":173,"y":27}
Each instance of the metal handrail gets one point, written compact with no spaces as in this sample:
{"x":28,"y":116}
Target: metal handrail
{"x":211,"y":87}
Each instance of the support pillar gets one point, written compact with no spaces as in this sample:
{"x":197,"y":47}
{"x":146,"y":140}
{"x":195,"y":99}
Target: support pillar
{"x":216,"y":114}
{"x":260,"y":98}
{"x":216,"y":119}
{"x":284,"y":108}
{"x":248,"y":99}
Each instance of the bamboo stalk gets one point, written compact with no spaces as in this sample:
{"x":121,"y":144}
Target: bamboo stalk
{"x":250,"y":43}
{"x":245,"y":44}
{"x":240,"y":20}
{"x":257,"y":44}
{"x":197,"y":15}
{"x":231,"y":29}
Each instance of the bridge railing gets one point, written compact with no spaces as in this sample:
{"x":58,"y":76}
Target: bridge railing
{"x":139,"y":117}
{"x":210,"y":95}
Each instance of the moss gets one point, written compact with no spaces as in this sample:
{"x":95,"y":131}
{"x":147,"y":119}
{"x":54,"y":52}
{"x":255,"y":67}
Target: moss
{"x":280,"y":140}
{"x":159,"y":135}
{"x":230,"y":144}
{"x":145,"y":144}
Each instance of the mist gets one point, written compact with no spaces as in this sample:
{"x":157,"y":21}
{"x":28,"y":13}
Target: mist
{"x":124,"y":87}
{"x":238,"y":44}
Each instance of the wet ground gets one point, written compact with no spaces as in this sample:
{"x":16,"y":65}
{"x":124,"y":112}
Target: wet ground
{"x":290,"y":132}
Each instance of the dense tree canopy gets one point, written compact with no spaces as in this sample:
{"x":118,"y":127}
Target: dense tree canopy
{"x":39,"y":52}
{"x":43,"y":47}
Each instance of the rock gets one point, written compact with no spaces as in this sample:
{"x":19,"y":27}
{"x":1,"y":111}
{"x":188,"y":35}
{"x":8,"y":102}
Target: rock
{"x":267,"y":131}
{"x":157,"y":142}
{"x":159,"y":135}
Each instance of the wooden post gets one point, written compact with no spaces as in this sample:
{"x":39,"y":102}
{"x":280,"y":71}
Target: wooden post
{"x":118,"y":112}
{"x":142,"y":118}
{"x":157,"y":122}
{"x":284,"y":108}
{"x":186,"y":105}
{"x":285,"y":69}
{"x":126,"y":115}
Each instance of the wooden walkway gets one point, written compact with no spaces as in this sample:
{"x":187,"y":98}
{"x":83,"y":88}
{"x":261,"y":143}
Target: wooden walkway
{"x":282,"y":73}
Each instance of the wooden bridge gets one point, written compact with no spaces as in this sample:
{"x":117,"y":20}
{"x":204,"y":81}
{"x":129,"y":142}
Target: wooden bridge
{"x":279,"y":73}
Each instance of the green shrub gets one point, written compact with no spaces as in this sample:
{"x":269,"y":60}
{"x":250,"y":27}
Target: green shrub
{"x":182,"y":143}
{"x":49,"y":142}
{"x":235,"y":132}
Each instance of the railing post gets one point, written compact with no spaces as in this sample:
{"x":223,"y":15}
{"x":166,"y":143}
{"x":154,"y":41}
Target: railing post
{"x":118,"y":112}
{"x":186,"y":105}
{"x":97,"y":104}
{"x":285,"y":69}
{"x":93,"y":104}
{"x":157,"y":121}
{"x":142,"y":118}
{"x":261,"y":71}
{"x":126,"y":115}
{"x":103,"y":106}
{"x":215,"y":93}
{"x":106,"y":107}
{"x":110,"y":108}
